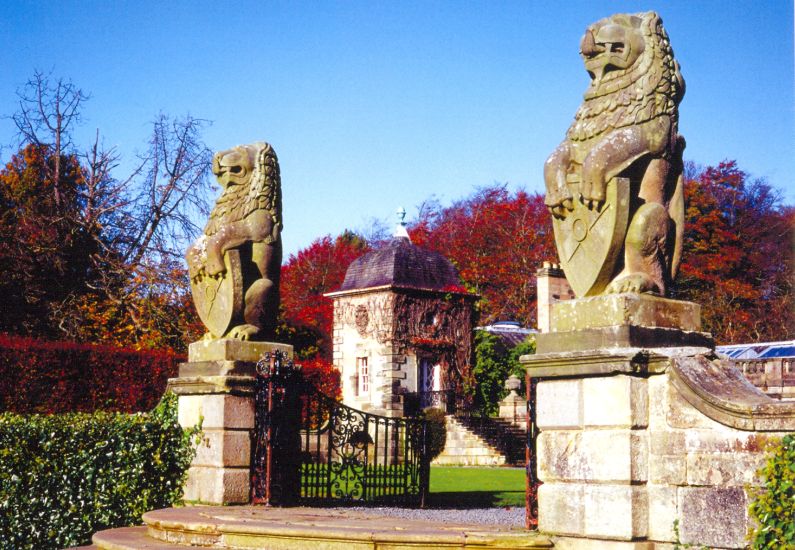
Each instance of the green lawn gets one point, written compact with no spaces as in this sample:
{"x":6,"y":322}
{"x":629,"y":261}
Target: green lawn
{"x":472,"y":487}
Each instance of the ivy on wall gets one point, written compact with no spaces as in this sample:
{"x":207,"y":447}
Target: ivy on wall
{"x":773,"y":507}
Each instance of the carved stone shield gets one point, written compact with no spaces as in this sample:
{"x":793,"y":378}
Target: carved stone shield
{"x":589,"y":241}
{"x":220,"y":300}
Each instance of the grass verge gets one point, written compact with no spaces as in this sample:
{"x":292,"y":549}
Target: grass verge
{"x":473,"y":487}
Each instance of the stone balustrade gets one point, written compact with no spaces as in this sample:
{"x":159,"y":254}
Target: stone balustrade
{"x":774,"y":376}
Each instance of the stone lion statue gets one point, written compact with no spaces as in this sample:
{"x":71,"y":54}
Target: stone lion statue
{"x":237,"y":294}
{"x":627,"y":127}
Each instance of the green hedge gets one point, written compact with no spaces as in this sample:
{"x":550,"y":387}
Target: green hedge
{"x":773,"y":506}
{"x":64,"y":477}
{"x":436,"y":431}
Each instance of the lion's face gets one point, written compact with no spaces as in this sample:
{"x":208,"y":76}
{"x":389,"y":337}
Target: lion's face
{"x":612,"y":44}
{"x":234,"y":166}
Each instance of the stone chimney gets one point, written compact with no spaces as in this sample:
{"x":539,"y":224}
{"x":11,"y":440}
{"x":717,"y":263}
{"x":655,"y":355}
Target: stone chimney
{"x":552,"y":287}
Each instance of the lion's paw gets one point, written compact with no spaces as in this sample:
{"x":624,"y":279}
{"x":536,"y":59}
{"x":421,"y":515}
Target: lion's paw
{"x":634,"y":283}
{"x":214,"y":266}
{"x":243,"y":332}
{"x":561,"y":208}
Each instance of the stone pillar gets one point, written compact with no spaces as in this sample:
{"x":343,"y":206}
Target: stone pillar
{"x":551,"y":287}
{"x":216,"y":388}
{"x":592,"y":413}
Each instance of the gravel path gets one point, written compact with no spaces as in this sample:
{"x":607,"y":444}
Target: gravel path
{"x":508,"y":516}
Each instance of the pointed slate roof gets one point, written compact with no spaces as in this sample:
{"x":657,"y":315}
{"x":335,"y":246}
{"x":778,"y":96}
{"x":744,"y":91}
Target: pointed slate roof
{"x":402,"y":264}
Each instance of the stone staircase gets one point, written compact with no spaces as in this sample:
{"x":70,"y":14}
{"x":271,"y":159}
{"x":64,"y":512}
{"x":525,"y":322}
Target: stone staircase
{"x":473,"y":441}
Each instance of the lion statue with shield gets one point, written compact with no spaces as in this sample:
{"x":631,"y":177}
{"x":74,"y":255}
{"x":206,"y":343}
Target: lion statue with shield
{"x":614,"y":185}
{"x":234,"y":266}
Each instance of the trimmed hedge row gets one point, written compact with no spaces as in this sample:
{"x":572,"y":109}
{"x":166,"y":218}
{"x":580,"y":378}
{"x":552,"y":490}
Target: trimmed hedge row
{"x":55,"y":377}
{"x":773,"y":506}
{"x":64,"y":477}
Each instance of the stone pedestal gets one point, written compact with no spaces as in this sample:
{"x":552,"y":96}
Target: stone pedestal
{"x":216,"y":388}
{"x":640,"y":426}
{"x":592,"y":411}
{"x":592,"y":415}
{"x":513,"y":408}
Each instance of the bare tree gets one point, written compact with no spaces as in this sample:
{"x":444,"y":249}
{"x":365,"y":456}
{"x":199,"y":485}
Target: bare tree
{"x":149,"y":218}
{"x":171,"y":191}
{"x":141,"y":223}
{"x":48,"y":109}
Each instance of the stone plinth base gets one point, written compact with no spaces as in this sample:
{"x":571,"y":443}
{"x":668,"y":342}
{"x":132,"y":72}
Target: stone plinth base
{"x":623,"y":321}
{"x":643,"y":310}
{"x":229,"y":349}
{"x":216,"y":390}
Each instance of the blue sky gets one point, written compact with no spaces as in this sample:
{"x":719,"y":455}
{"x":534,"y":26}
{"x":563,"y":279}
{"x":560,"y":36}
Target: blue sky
{"x":371,"y":105}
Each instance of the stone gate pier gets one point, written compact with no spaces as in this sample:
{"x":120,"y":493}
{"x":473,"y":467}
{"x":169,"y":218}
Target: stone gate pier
{"x":642,"y":430}
{"x":216,"y":390}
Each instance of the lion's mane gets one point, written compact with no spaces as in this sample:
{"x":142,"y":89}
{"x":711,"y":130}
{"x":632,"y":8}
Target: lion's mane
{"x":263,"y":192}
{"x":651,"y":87}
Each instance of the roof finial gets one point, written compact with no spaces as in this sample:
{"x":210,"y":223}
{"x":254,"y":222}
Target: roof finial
{"x":400,"y":229}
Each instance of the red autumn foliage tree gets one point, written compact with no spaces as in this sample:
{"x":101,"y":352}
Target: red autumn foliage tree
{"x":497,"y":240}
{"x":306,"y":314}
{"x":738,"y":255}
{"x":45,"y":251}
{"x":306,"y":276}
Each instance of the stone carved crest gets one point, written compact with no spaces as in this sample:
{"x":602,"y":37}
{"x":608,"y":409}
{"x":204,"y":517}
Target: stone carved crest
{"x":614,"y":185}
{"x":234,"y":266}
{"x":375,"y":311}
{"x":362,"y":319}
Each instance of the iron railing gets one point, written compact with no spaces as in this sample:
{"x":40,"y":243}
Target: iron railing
{"x":310,"y":449}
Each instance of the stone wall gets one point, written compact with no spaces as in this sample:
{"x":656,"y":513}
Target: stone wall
{"x":363,"y":328}
{"x":631,"y":441}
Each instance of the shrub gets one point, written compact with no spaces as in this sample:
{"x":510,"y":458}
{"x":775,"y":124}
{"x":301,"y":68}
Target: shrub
{"x":436,"y":431}
{"x":773,"y":504}
{"x":54,"y":377}
{"x":63,"y":477}
{"x":494,"y":363}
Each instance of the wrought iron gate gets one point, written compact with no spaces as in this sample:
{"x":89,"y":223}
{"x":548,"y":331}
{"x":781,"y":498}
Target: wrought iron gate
{"x":531,"y":462}
{"x":309,"y":449}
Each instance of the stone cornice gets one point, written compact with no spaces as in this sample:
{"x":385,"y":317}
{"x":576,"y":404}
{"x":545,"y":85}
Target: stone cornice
{"x":639,"y":361}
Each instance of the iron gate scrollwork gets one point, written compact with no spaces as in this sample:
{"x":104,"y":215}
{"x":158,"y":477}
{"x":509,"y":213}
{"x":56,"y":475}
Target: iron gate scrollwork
{"x":309,"y":449}
{"x":531,"y":460}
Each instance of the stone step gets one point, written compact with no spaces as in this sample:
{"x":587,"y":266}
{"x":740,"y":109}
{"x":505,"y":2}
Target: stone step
{"x":496,"y":433}
{"x":130,"y":538}
{"x":249,"y":527}
{"x":463,"y":453}
{"x":469,"y":461}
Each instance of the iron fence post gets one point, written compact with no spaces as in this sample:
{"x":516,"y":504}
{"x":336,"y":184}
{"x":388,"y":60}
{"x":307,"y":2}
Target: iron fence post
{"x":269,"y":438}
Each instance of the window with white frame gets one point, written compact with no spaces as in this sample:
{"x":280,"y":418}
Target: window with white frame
{"x":363,"y":376}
